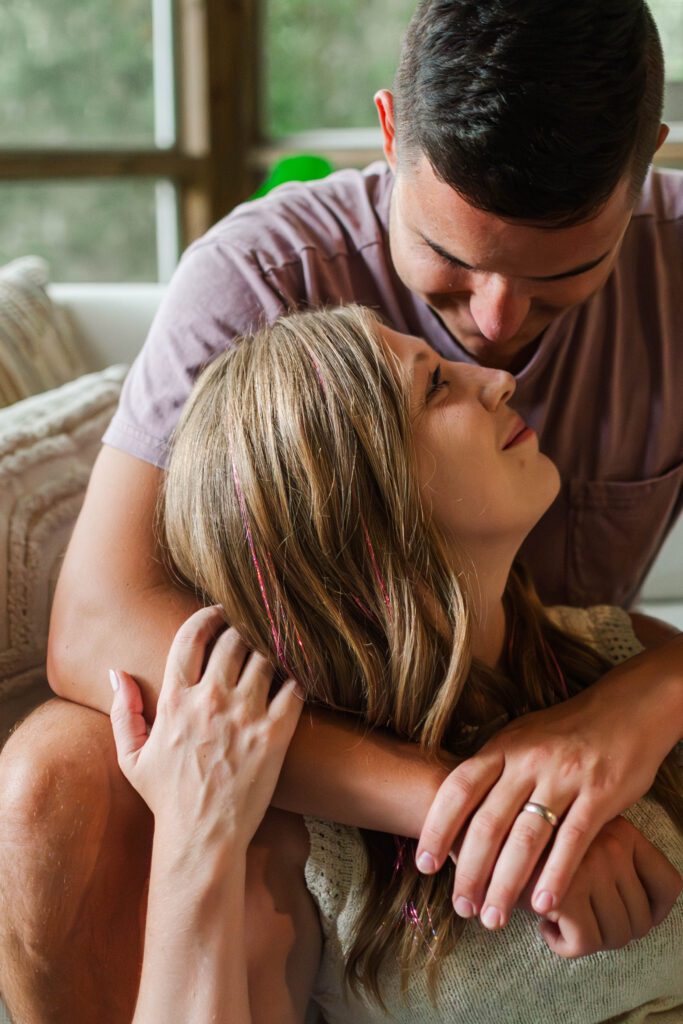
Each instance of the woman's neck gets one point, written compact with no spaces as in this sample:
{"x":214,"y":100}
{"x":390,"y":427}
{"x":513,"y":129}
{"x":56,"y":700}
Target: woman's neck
{"x":488,"y":635}
{"x":492,"y":570}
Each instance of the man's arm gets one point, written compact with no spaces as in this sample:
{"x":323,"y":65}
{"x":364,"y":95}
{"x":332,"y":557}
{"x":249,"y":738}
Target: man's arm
{"x":114,"y":603}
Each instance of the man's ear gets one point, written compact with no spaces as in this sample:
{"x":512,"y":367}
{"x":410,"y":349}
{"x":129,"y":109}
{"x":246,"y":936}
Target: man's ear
{"x":384,"y":101}
{"x":662,"y":137}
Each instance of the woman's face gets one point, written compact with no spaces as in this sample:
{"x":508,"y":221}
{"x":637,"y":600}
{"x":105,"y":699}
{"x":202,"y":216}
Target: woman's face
{"x":481,"y":473}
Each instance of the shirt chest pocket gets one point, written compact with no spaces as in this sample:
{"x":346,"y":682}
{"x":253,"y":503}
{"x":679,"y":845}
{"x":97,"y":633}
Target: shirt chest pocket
{"x":615,"y":531}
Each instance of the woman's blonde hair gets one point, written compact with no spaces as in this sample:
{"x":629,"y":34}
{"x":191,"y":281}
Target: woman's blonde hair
{"x":292,"y":499}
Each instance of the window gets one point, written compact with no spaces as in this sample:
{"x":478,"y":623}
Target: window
{"x":112,"y":159}
{"x":669,"y":16}
{"x":127,"y":127}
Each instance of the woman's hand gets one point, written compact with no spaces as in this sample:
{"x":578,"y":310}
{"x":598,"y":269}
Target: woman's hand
{"x":622,"y":889}
{"x":209,"y":764}
{"x":587,"y":760}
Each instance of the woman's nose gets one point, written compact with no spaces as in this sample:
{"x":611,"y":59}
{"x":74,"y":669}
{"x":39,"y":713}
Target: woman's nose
{"x":495,"y":387}
{"x":498,"y":307}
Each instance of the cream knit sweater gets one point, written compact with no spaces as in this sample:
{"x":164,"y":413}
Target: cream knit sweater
{"x":508,"y":977}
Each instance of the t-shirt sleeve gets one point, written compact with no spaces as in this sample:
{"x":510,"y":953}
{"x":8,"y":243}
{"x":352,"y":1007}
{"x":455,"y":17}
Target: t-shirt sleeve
{"x":217,"y":293}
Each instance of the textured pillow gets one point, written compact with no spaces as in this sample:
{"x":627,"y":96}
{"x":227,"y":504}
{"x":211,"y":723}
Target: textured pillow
{"x":48,"y":444}
{"x":36,"y":349}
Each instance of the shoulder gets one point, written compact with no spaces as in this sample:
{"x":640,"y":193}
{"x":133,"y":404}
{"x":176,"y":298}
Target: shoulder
{"x":608,"y":629}
{"x":655,"y":230}
{"x":335,"y":871}
{"x":661,"y":200}
{"x":340,"y":214}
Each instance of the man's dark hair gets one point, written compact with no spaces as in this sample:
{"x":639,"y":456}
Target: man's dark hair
{"x":532,"y":109}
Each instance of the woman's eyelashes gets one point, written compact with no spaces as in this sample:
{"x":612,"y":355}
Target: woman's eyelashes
{"x":436,"y":383}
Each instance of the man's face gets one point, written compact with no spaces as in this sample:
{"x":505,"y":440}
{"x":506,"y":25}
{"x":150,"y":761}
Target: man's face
{"x":496,"y":284}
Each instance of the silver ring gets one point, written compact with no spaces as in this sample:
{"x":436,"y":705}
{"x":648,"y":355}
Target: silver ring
{"x":542,"y":811}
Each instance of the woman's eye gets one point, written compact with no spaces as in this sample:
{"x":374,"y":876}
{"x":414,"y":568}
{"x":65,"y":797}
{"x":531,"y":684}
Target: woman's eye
{"x":436,"y":382}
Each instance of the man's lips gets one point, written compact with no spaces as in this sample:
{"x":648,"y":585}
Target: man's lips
{"x":519,"y":428}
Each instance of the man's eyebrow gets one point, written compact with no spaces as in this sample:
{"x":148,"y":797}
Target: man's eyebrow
{"x":574,"y":272}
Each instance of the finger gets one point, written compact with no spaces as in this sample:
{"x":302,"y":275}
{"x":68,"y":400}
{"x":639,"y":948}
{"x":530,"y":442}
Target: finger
{"x":285,"y":708}
{"x":484,"y":838}
{"x":611,"y":915}
{"x":187,"y":653}
{"x":659,"y":878}
{"x":255,"y":682}
{"x":127,"y":720}
{"x":528,"y":838}
{"x":459,"y":794}
{"x":288,"y":700}
{"x":574,"y":835}
{"x":635,"y":899}
{"x":573,"y":930}
{"x":227,"y":659}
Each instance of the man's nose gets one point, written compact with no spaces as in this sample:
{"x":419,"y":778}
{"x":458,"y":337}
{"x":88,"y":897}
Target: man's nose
{"x":498,"y":307}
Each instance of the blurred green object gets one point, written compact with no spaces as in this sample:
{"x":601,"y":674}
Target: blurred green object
{"x":294,"y":168}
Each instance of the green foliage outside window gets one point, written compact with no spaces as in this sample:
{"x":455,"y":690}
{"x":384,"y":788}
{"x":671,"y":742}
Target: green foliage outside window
{"x":324,"y":60}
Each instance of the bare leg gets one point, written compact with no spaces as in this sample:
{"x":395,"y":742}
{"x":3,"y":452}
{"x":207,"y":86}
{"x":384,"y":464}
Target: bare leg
{"x":75,"y":845}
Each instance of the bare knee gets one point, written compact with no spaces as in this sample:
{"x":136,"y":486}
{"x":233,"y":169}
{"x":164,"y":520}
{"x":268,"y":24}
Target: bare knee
{"x":74,"y":858}
{"x":54,"y":757}
{"x":64,"y":805}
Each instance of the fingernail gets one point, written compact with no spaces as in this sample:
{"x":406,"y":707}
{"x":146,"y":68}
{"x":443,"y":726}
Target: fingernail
{"x":491,"y":918}
{"x":426,"y":863}
{"x":544,"y":902}
{"x":114,"y":680}
{"x":463,"y":907}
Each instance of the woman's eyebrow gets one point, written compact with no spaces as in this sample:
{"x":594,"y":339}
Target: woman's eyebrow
{"x":583,"y":268}
{"x":421,"y":357}
{"x":417,"y":360}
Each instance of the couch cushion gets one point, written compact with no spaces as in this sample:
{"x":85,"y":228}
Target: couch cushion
{"x":36,"y":348}
{"x":47,"y":447}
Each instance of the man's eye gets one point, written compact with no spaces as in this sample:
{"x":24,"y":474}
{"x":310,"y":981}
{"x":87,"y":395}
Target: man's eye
{"x":436,"y":382}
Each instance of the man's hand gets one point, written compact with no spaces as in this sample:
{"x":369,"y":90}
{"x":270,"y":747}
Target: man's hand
{"x":587,"y":760}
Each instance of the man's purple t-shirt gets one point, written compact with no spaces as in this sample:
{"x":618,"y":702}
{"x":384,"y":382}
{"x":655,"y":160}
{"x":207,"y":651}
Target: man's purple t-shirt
{"x":604,"y":388}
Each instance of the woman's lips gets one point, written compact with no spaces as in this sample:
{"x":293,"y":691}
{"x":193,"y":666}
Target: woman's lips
{"x":519,"y":433}
{"x":525,"y":434}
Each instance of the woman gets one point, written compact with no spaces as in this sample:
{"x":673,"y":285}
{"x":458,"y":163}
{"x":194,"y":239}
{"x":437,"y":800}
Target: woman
{"x":357,"y":507}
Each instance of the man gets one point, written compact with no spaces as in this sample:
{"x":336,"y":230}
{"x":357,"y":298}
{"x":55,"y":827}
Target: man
{"x":516,"y":225}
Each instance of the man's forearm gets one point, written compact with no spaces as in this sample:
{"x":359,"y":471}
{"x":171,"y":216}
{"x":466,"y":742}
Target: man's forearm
{"x":657,"y":676}
{"x":132,"y":631}
{"x":336,"y":770}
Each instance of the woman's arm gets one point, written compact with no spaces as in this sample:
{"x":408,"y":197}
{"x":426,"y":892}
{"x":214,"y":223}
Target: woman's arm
{"x":207,"y":769}
{"x":195,"y":966}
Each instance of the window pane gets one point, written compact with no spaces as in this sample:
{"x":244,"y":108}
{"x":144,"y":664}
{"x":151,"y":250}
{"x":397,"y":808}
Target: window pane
{"x":326,"y":60}
{"x":76,"y":73}
{"x":669,"y":15}
{"x":87,"y":231}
